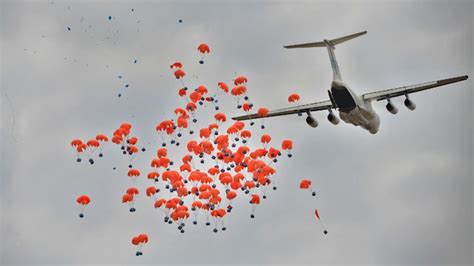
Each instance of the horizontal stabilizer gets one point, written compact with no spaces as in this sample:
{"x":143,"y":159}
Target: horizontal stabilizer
{"x":325,"y":43}
{"x":306,"y":45}
{"x":347,"y":38}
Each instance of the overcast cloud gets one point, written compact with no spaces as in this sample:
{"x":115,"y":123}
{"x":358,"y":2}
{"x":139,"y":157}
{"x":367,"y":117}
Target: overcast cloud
{"x":402,"y":196}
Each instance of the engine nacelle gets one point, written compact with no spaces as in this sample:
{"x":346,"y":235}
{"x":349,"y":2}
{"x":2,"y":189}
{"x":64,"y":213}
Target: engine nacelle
{"x":333,"y":118}
{"x":409,"y":104}
{"x":311,"y":121}
{"x":391,"y":108}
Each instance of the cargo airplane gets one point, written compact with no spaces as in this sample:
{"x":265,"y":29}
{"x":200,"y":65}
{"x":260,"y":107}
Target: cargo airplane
{"x":353,"y":108}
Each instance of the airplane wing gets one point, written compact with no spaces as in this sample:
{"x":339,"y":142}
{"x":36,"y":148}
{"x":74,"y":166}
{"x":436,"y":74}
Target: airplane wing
{"x":390,"y":93}
{"x":317,"y":106}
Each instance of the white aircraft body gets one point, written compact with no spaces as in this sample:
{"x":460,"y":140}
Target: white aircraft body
{"x":353,"y":109}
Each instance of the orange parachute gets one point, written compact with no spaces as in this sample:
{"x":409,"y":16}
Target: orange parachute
{"x":133,"y":191}
{"x":179,"y":74}
{"x":83,"y":201}
{"x":76,"y":142}
{"x":306,"y":184}
{"x":241,"y":80}
{"x":195,"y":96}
{"x":223,"y":86}
{"x":153,"y":176}
{"x":247,"y":107}
{"x":220,"y":117}
{"x":203,"y":49}
{"x":293,"y":98}
{"x":262,"y":112}
{"x":287,"y":145}
{"x":139,"y":241}
{"x":176,"y":65}
{"x":133,"y":174}
{"x":265,"y":139}
{"x":101,"y":137}
{"x":150,"y":191}
{"x":238,"y":90}
{"x":79,"y":147}
{"x":202,"y":90}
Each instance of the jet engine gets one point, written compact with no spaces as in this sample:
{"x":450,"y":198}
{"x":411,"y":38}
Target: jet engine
{"x":409,"y":104}
{"x":333,"y":118}
{"x":391,"y":107}
{"x":311,"y":121}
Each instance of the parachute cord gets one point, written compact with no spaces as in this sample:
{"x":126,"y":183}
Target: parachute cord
{"x":215,"y":222}
{"x":182,"y":82}
{"x":322,"y":226}
{"x":162,"y":137}
{"x":185,"y":101}
{"x":195,"y":214}
{"x":222,"y":221}
{"x":82,"y":208}
{"x":237,"y":100}
{"x":273,"y":181}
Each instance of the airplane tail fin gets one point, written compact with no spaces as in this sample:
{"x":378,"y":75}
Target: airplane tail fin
{"x":330,"y":44}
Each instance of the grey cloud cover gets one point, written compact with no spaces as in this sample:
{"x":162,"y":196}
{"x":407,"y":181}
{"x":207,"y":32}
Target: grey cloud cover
{"x":403,"y":196}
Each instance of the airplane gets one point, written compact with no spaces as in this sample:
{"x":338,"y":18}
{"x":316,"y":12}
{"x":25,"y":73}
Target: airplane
{"x":353,"y":108}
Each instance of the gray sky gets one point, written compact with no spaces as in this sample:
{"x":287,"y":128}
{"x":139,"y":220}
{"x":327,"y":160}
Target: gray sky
{"x":402,"y":196}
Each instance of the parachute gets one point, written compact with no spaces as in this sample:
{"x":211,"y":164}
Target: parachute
{"x":265,"y":139}
{"x":262,"y":112}
{"x":223,"y":86}
{"x":203,"y":49}
{"x":179,"y":74}
{"x":79,"y":147}
{"x":83,"y":201}
{"x":240,"y":80}
{"x":293,"y":98}
{"x":139,"y":241}
{"x":255,"y":200}
{"x":129,"y":198}
{"x":287,"y":145}
{"x":133,"y":174}
{"x":316,"y":213}
{"x":101,"y":139}
{"x":306,"y":184}
{"x":176,"y":65}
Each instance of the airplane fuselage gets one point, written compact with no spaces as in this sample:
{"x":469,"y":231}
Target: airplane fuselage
{"x":353,"y":109}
